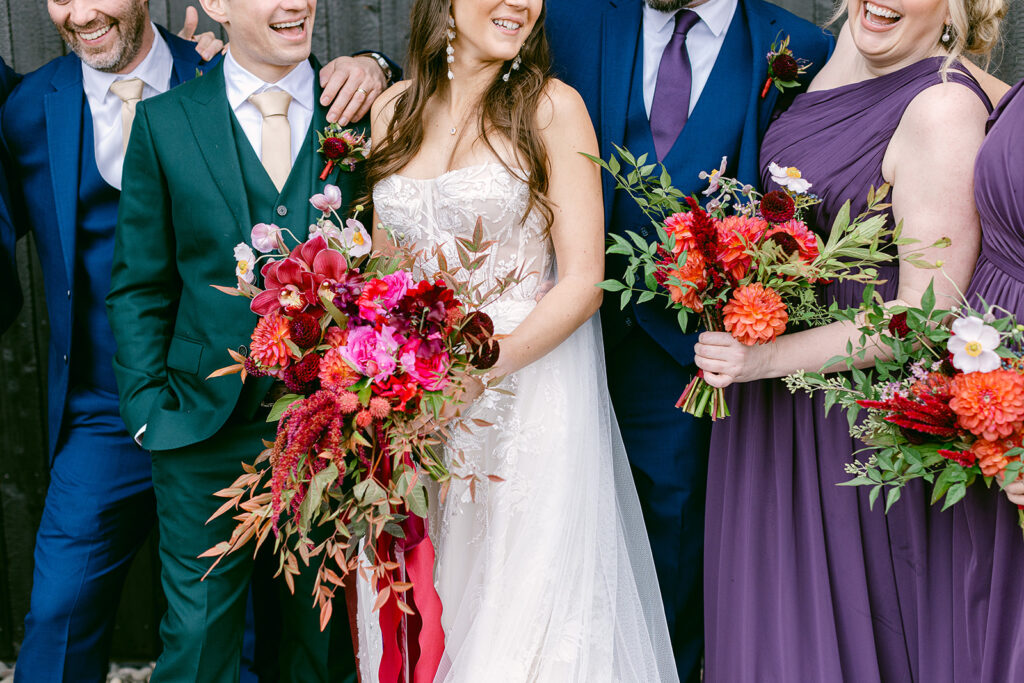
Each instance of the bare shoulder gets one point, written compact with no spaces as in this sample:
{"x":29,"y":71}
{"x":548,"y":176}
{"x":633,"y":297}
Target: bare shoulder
{"x":993,"y":87}
{"x":943,"y":110}
{"x":562,"y":111}
{"x":383,"y":107}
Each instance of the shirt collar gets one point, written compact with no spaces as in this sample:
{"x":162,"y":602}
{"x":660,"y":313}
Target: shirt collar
{"x":154,"y":70}
{"x":242,"y":84}
{"x":716,"y":15}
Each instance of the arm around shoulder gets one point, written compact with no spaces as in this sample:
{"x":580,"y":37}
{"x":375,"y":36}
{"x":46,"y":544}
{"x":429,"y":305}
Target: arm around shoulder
{"x":145,"y":286}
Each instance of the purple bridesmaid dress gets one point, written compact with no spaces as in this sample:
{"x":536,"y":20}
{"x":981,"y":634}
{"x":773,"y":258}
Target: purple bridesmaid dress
{"x":988,"y":551}
{"x":803,"y":581}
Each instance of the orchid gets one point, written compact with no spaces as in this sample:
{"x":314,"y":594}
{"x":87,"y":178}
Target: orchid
{"x":245,"y":263}
{"x":328,"y":201}
{"x":788,"y":177}
{"x":265,"y":237}
{"x":974,"y":345}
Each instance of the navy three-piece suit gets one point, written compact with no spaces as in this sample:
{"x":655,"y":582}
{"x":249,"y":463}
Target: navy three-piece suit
{"x":99,"y":505}
{"x":597,"y":48}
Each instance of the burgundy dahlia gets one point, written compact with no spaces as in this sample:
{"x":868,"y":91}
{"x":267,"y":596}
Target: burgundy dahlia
{"x":785,"y":68}
{"x":253,"y":369}
{"x":479,"y":334}
{"x":898,"y":325}
{"x":303,"y":377}
{"x":777,"y":207}
{"x":304,"y":330}
{"x":786,"y":241}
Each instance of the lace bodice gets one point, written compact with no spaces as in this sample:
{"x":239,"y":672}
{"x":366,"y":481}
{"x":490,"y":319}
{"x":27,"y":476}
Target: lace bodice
{"x":425,"y":213}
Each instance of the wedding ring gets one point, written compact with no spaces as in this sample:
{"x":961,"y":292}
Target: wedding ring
{"x":360,"y":90}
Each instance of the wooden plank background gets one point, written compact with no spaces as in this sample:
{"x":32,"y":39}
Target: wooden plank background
{"x":28,"y":40}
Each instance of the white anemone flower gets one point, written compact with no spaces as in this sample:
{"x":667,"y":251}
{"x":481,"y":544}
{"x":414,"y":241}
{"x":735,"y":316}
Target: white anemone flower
{"x":245,"y":262}
{"x":789,"y":177}
{"x":974,"y":345}
{"x":355,"y":239}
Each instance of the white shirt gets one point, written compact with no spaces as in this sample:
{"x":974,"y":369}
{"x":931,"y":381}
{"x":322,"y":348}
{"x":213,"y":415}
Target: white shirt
{"x":155,"y":73}
{"x":703,"y":43}
{"x":242,"y":84}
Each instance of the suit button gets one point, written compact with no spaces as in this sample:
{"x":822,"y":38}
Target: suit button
{"x":65,"y":359}
{"x":643,"y":231}
{"x":282,"y":211}
{"x":69,"y":294}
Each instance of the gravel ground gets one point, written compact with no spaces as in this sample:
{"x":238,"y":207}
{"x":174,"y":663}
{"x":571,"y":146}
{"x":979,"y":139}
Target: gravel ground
{"x":119,"y":673}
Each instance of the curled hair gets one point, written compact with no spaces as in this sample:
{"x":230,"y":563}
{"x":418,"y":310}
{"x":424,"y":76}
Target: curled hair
{"x":507,"y":109}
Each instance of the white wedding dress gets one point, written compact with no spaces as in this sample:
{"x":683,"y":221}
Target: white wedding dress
{"x":546,"y":576}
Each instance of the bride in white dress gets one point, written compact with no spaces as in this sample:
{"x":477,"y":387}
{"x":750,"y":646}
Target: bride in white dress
{"x":545,"y":576}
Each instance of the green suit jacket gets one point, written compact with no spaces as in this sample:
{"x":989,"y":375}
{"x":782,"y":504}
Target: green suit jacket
{"x":183,"y":209}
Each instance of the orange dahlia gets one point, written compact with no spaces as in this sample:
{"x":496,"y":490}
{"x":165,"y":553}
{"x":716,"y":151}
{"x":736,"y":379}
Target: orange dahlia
{"x":989,"y":404}
{"x":736,"y":234}
{"x":681,"y":225}
{"x":335,"y":373}
{"x":755,"y":314}
{"x":991,"y":455}
{"x":269,"y":341}
{"x":806,"y":241}
{"x":693,"y":272}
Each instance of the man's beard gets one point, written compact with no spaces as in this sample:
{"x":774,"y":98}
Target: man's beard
{"x":668,"y":5}
{"x":130,"y":31}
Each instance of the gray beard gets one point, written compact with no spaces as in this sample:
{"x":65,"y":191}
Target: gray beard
{"x":667,"y":5}
{"x":131,"y":29}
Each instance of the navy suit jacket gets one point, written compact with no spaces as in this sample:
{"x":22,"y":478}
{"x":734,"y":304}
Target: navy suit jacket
{"x":41,"y":126}
{"x":10,"y":302}
{"x":595,"y":45}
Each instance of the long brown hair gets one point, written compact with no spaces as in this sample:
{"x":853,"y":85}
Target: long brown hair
{"x":507,"y":109}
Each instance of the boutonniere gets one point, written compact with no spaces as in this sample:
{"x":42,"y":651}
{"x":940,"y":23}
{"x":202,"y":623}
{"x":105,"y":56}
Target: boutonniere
{"x":783,"y":68}
{"x":342,"y":147}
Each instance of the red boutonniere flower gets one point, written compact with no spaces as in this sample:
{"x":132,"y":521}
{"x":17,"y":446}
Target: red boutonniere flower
{"x":784,"y":69}
{"x":342,"y":147}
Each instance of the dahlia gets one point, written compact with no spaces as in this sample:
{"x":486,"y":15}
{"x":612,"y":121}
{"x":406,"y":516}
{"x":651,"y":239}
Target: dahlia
{"x":681,"y":226}
{"x":989,"y":404}
{"x":898,"y":325}
{"x":991,"y":455}
{"x":736,"y":234}
{"x":304,"y":330}
{"x":755,"y":314}
{"x":805,"y":238}
{"x":693,"y":272}
{"x":269,"y":342}
{"x":335,"y":373}
{"x":335,"y":148}
{"x":785,"y":67}
{"x":777,"y":207}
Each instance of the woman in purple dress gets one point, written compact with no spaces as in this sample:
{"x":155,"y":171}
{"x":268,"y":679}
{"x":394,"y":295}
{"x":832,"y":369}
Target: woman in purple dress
{"x":988,"y":551}
{"x":803,"y":581}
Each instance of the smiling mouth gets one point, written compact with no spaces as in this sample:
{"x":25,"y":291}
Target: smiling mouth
{"x":507,"y":24}
{"x":880,"y":16}
{"x":291,"y":29}
{"x":94,"y":35}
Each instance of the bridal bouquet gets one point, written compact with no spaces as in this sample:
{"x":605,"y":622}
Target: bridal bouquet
{"x":745,"y":263}
{"x":943,"y":403}
{"x":362,"y":354}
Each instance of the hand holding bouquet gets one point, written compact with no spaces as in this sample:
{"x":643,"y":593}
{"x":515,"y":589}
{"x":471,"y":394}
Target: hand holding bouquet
{"x":943,"y":403}
{"x":744,"y":263}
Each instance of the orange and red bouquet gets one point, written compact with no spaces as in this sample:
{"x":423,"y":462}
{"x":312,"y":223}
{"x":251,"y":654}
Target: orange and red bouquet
{"x":944,"y":403}
{"x":743,"y":262}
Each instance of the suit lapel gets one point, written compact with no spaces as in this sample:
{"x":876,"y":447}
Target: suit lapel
{"x":763,"y":32}
{"x":209,"y":117}
{"x":621,"y":38}
{"x":63,"y":110}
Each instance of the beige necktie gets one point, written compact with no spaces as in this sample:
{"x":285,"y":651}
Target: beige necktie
{"x":130,"y":92}
{"x":277,"y":134}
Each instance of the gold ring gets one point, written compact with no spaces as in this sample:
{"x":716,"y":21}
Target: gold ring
{"x":360,"y":90}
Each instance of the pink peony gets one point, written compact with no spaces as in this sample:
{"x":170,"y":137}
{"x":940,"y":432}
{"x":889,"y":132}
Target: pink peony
{"x":381,"y":295}
{"x":429,"y":371}
{"x":371,"y":352}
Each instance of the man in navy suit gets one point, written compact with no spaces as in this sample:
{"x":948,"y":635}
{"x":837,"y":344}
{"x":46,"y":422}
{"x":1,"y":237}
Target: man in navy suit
{"x":64,"y":130}
{"x":681,"y":81}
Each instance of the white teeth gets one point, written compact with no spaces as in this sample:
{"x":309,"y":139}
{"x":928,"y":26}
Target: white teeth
{"x":292,"y":24}
{"x":504,"y":23}
{"x":96,"y":34}
{"x":880,"y":11}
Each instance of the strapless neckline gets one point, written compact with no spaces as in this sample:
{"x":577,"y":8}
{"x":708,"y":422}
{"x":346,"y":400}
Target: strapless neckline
{"x":462,"y":169}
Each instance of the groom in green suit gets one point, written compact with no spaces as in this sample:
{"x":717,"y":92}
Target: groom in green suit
{"x":205,"y":162}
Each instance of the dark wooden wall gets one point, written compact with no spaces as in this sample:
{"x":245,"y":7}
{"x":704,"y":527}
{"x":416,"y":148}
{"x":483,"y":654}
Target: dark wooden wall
{"x":28,"y":40}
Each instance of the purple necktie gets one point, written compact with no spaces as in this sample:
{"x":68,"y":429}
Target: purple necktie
{"x":671,"y":103}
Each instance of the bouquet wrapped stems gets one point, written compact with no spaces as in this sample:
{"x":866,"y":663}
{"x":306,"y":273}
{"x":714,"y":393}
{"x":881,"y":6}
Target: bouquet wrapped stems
{"x":700,"y":398}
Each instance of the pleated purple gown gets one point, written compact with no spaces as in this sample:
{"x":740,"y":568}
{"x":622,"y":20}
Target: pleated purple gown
{"x":803,"y":582}
{"x":988,"y":550}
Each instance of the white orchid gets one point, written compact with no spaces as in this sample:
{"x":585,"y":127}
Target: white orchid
{"x":355,"y":239}
{"x":789,"y":177}
{"x":974,"y":345}
{"x":245,"y":259}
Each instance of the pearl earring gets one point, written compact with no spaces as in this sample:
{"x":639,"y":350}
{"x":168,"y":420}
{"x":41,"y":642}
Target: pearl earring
{"x":945,"y":34}
{"x":515,"y":67}
{"x":450,"y":51}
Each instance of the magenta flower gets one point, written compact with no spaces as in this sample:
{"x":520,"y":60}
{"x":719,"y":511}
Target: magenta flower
{"x":309,"y":267}
{"x":370,"y":352}
{"x":429,"y":371}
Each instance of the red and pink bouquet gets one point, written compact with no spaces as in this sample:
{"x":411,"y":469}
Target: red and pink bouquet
{"x":362,"y":354}
{"x":745,"y":263}
{"x":944,"y":402}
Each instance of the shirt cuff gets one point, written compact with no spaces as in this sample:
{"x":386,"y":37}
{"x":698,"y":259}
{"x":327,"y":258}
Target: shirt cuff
{"x":138,"y":434}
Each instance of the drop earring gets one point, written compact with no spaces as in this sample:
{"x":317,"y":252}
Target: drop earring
{"x":449,"y":50}
{"x":515,"y":67}
{"x":945,"y":34}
